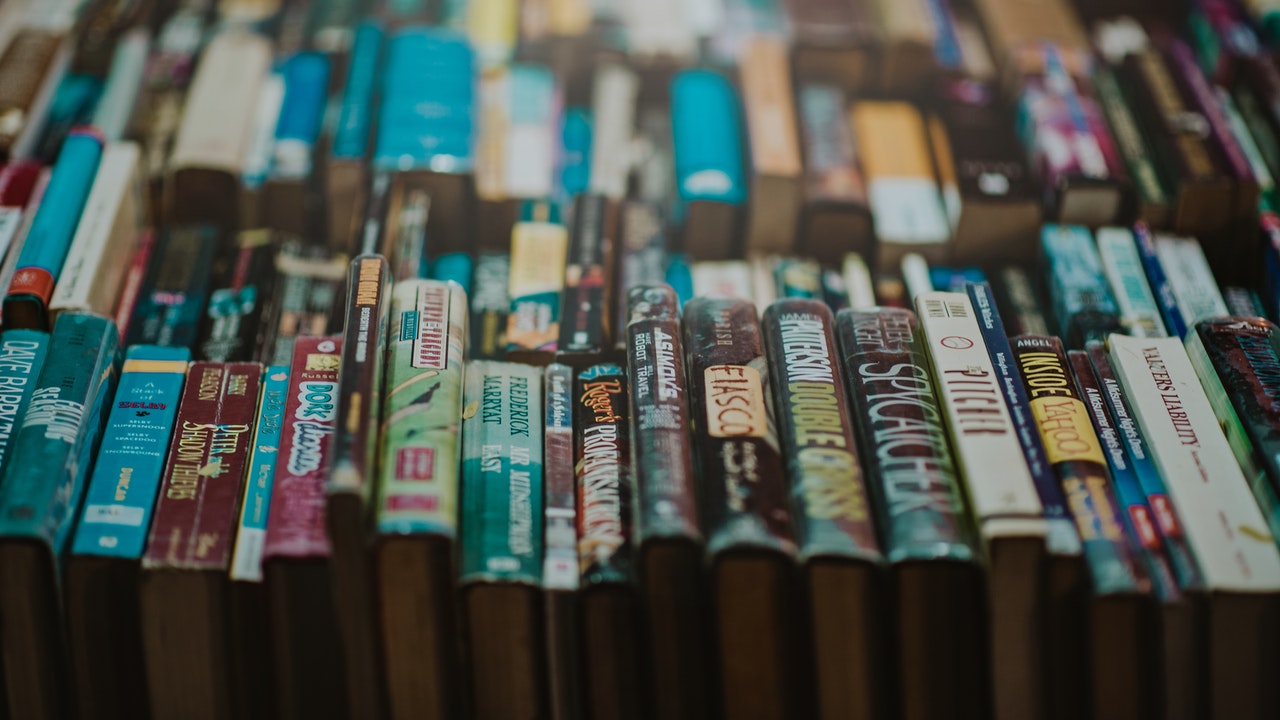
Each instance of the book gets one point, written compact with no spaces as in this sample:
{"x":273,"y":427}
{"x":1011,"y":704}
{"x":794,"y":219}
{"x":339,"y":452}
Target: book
{"x":776,"y":173}
{"x":906,"y":206}
{"x":33,"y":63}
{"x":98,"y":257}
{"x":707,"y":142}
{"x":189,"y":545}
{"x":255,"y":167}
{"x":998,"y":199}
{"x":653,"y":39}
{"x":425,"y":127}
{"x":308,"y":670}
{"x":797,"y":278}
{"x":288,"y":202}
{"x":723,"y":280}
{"x":239,"y":299}
{"x":1120,"y":672}
{"x":22,"y":354}
{"x":492,"y":30}
{"x":175,"y":289}
{"x":416,"y":526}
{"x":310,"y":283}
{"x":1083,"y":306}
{"x":914,"y":490}
{"x":250,"y":641}
{"x":751,"y":551}
{"x":346,"y":173}
{"x":586,"y":325}
{"x":1154,"y":206}
{"x":352,"y":470}
{"x":837,"y":546}
{"x":835,"y":217}
{"x":1019,"y":298}
{"x":1122,"y":266}
{"x":907,"y":45}
{"x":614,"y":92}
{"x":103,"y":569}
{"x":456,"y":267}
{"x":502,"y":534}
{"x":669,"y":539}
{"x":490,"y":306}
{"x":18,"y":182}
{"x":539,"y":250}
{"x":834,"y":42}
{"x":605,"y":488}
{"x":857,"y":281}
{"x":1192,"y":282}
{"x":573,"y":156}
{"x":1018,"y":30}
{"x":204,"y":167}
{"x":43,"y":483}
{"x":560,"y":574}
{"x":641,"y":259}
{"x":39,"y":263}
{"x":1007,"y":511}
{"x":1174,"y":322}
{"x":1240,"y":569}
{"x":123,"y":83}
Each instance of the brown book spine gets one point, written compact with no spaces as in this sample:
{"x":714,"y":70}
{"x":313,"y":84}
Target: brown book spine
{"x":773,"y":213}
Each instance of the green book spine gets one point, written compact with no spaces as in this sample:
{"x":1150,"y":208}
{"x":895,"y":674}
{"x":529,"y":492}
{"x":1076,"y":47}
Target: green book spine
{"x":502,"y":473}
{"x":418,"y":487}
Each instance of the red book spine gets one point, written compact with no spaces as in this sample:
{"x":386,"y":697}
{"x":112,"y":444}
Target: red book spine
{"x":296,"y":522}
{"x":196,"y":512}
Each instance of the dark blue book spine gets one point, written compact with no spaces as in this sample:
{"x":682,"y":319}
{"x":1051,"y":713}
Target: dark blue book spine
{"x":1173,"y":320}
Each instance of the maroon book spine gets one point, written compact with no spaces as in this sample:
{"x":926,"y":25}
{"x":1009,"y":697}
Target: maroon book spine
{"x":296,"y":521}
{"x":196,"y":512}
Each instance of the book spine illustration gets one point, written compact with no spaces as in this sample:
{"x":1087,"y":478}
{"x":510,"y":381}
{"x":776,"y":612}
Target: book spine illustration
{"x":605,"y":488}
{"x":199,"y":497}
{"x":131,"y":458}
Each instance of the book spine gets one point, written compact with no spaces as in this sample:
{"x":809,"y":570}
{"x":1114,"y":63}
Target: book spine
{"x":454,"y":267}
{"x":306,"y":82}
{"x":45,"y":475}
{"x":539,"y":249}
{"x":113,"y":217}
{"x":585,"y":325}
{"x":131,"y":458}
{"x":723,"y":280}
{"x":1016,"y":291}
{"x":51,"y":232}
{"x":502,"y":510}
{"x":605,"y":486}
{"x":768,"y":106}
{"x":1129,"y":139}
{"x":680,"y":277}
{"x":124,"y":82}
{"x":233,"y":318}
{"x":173,"y":295}
{"x":296,"y":519}
{"x":425,"y":115}
{"x":1251,"y":136}
{"x":490,"y":306}
{"x":1178,"y":422}
{"x":256,"y":165}
{"x":1133,"y":508}
{"x":662,"y":451}
{"x":1139,"y":314}
{"x":798,"y":278}
{"x":29,"y":65}
{"x":1221,"y":141}
{"x":1000,"y":488}
{"x":914,"y":481}
{"x":560,"y":560}
{"x":310,"y":286}
{"x":199,"y":496}
{"x":707,"y":137}
{"x":17,"y":188}
{"x":354,"y":449}
{"x":131,"y":286}
{"x":1081,"y":299}
{"x":1160,"y":287}
{"x":1062,"y":538}
{"x":642,"y":258}
{"x":1191,"y":279}
{"x":831,"y":162}
{"x":218,"y":114}
{"x":251,"y":531}
{"x":1176,"y":545}
{"x":858,"y":282}
{"x":492,"y":26}
{"x":834,"y":291}
{"x":422,"y":407}
{"x":1243,"y":302}
{"x":829,"y":503}
{"x":735,"y":438}
{"x":573,"y":164}
{"x":22,"y":354}
{"x":614,"y":92}
{"x":1076,"y":455}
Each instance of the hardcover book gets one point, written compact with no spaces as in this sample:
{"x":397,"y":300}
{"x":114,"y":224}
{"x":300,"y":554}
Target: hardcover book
{"x":22,"y":354}
{"x":490,"y":306}
{"x":188,"y":552}
{"x":586,"y":326}
{"x":43,"y":483}
{"x":289,"y":204}
{"x":835,"y":217}
{"x":417,"y":497}
{"x":242,"y":283}
{"x":776,"y":174}
{"x":346,"y":173}
{"x":103,"y":618}
{"x":175,"y":289}
{"x":560,"y":574}
{"x":1083,"y":306}
{"x":707,"y":138}
{"x":539,"y":250}
{"x":1122,"y":266}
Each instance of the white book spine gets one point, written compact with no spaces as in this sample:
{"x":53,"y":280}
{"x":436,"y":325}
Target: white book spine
{"x":1234,"y":548}
{"x":764,"y":280}
{"x":657,"y":29}
{"x":108,"y":230}
{"x":613,"y":115}
{"x":1194,"y":286}
{"x":857,"y":282}
{"x":1123,"y":269}
{"x":123,"y":83}
{"x":722,"y":279}
{"x":262,"y":137}
{"x":998,"y":482}
{"x":219,"y":114}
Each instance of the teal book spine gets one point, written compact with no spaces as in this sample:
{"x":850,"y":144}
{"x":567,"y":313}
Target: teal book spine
{"x":501,"y":515}
{"x":53,"y":450}
{"x":707,"y":134}
{"x":251,"y":530}
{"x":126,"y":474}
{"x":22,"y":354}
{"x":355,"y":117}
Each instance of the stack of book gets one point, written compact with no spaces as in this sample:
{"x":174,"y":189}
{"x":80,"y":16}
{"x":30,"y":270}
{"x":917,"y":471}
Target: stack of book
{"x":623,"y":359}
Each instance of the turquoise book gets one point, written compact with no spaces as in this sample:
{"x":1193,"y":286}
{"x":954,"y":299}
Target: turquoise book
{"x":251,"y":531}
{"x":22,"y":354}
{"x":355,"y":114}
{"x":126,"y":475}
{"x":39,"y":494}
{"x":706,"y":129}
